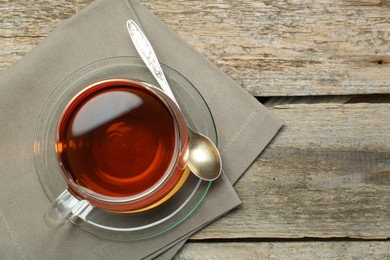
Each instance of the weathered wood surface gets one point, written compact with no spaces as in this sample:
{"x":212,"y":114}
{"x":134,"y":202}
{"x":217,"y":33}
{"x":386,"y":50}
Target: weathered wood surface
{"x":327,"y":174}
{"x":23,"y":24}
{"x":286,"y":250}
{"x":272,"y":48}
{"x":298,"y":47}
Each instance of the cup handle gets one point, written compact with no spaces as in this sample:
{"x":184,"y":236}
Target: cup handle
{"x":66,"y":205}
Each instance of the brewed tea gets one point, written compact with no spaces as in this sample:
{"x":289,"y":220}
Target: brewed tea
{"x":116,"y":139}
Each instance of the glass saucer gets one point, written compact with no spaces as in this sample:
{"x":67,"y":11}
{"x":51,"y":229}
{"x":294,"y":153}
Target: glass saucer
{"x":122,"y":226}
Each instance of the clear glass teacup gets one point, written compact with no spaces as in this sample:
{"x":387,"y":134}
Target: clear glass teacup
{"x":122,"y":146}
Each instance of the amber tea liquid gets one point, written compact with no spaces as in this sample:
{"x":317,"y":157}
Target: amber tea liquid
{"x":116,"y":139}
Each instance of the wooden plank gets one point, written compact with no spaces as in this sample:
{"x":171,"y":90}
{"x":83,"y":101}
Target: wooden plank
{"x":327,"y":174}
{"x":271,"y":48}
{"x":284,"y":48}
{"x":285,"y":250}
{"x":24,"y":24}
{"x":277,"y":48}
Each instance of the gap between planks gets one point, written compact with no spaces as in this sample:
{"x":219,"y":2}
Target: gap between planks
{"x":286,"y":240}
{"x":336,"y":99}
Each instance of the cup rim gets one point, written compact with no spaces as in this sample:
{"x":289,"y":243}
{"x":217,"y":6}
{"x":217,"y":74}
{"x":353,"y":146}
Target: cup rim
{"x":179,"y":157}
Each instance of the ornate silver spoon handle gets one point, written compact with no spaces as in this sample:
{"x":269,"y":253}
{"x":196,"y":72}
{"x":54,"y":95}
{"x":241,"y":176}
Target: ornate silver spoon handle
{"x":147,"y":53}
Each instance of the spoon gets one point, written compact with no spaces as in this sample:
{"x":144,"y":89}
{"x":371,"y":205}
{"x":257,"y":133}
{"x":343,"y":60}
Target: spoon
{"x":204,"y":159}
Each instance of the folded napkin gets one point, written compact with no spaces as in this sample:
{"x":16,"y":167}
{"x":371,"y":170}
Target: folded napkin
{"x":98,"y":32}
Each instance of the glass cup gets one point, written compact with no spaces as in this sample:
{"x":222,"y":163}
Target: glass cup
{"x":122,"y":146}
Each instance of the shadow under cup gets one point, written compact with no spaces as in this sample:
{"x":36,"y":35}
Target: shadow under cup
{"x":122,"y":146}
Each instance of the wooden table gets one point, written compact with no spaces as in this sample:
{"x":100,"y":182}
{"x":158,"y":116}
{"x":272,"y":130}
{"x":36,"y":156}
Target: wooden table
{"x":322,"y":187}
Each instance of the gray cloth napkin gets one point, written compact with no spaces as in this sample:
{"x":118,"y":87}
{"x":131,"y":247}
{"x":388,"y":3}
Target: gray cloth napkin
{"x":244,"y":128}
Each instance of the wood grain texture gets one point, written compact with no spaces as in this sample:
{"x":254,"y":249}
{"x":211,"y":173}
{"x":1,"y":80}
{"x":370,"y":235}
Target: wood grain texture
{"x":297,"y":47}
{"x":271,"y":48}
{"x":24,"y":24}
{"x":327,"y":174}
{"x":285,"y":250}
